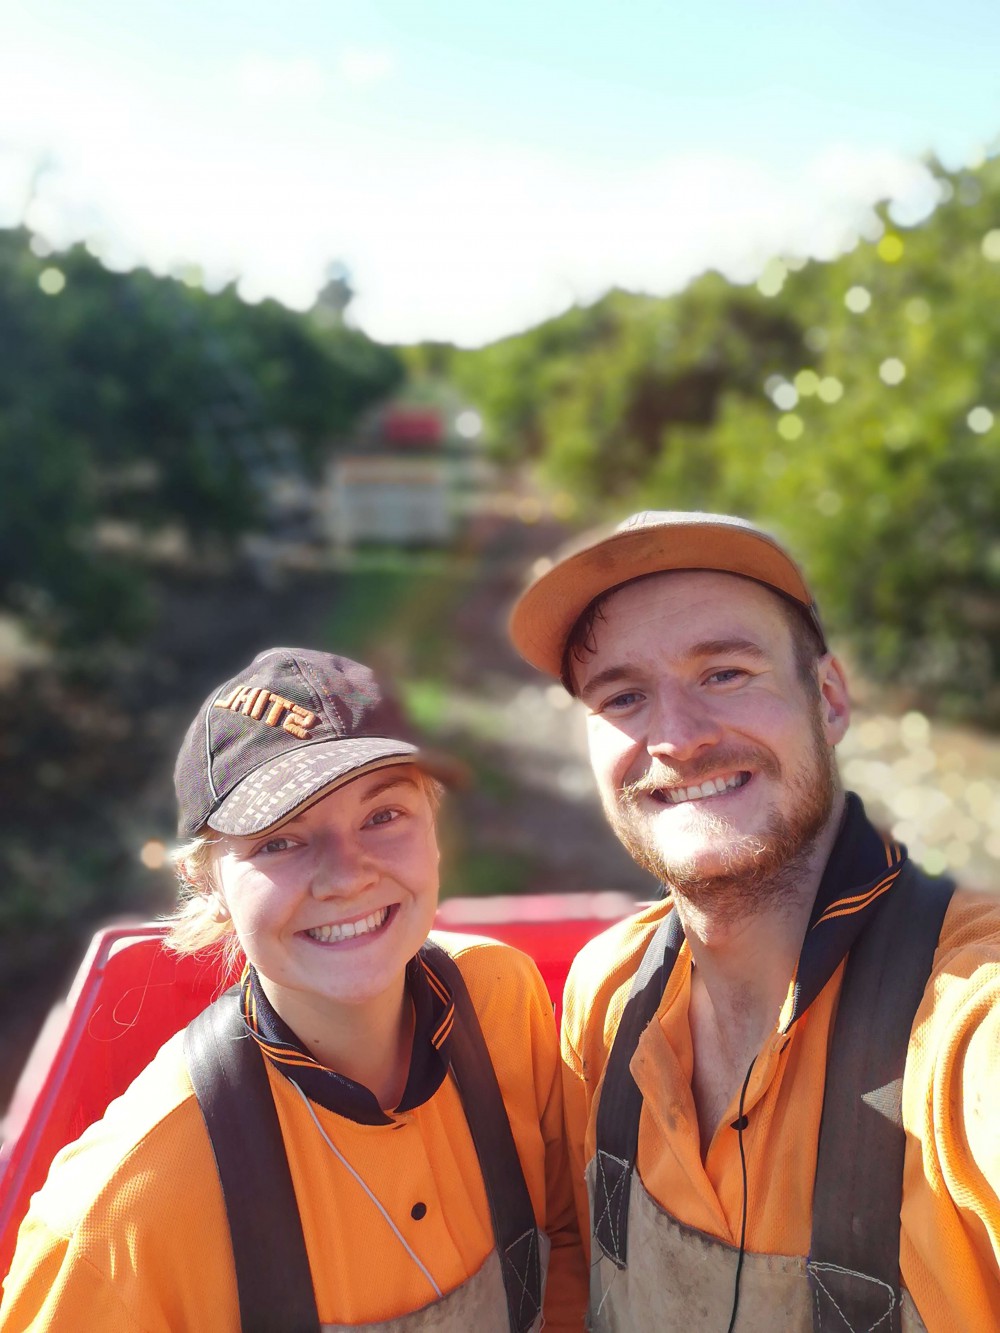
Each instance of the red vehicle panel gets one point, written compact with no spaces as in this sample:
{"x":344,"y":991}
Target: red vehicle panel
{"x":130,"y":995}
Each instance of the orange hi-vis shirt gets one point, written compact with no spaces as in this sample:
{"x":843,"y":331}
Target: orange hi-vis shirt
{"x":950,"y":1218}
{"x":129,"y":1233}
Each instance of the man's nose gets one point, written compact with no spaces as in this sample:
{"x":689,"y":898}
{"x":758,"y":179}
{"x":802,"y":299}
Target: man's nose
{"x":680,"y":724}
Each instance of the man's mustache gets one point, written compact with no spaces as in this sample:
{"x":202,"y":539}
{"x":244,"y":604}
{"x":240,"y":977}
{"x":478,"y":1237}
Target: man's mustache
{"x":660,"y":775}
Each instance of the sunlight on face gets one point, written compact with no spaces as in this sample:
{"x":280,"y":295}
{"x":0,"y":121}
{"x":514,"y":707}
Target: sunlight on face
{"x":330,"y":905}
{"x":710,"y":754}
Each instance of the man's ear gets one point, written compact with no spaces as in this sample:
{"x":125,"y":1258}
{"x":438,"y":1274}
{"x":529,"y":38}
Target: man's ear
{"x":835,"y":702}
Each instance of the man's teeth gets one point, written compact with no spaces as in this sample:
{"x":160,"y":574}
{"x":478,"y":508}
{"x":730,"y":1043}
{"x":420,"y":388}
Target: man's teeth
{"x":349,"y":929}
{"x":713,"y":787}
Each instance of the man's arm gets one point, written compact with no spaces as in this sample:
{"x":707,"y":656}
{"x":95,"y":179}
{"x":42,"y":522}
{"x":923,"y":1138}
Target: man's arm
{"x":950,"y":1242}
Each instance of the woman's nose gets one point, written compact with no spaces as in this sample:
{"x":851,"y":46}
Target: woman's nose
{"x":341,"y":867}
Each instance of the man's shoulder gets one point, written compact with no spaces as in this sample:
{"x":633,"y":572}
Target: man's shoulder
{"x":958,"y":1019}
{"x":619,"y":950}
{"x":968,"y":949}
{"x":601,"y":974}
{"x":972,"y":921}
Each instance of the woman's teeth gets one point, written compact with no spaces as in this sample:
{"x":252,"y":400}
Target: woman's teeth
{"x":713,"y":787}
{"x":349,"y":929}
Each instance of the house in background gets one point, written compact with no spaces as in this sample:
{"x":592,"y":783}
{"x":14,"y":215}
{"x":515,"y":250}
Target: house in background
{"x":403,"y":478}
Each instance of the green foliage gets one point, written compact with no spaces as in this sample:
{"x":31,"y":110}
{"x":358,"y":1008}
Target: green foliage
{"x":849,"y":406}
{"x":138,"y":399}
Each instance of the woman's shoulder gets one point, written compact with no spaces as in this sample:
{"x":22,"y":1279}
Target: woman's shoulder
{"x":148,"y":1139}
{"x":497,"y":975}
{"x":129,"y":1229}
{"x":482,"y":956}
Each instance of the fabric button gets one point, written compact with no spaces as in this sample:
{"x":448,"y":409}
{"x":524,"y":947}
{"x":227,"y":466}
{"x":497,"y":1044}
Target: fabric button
{"x":418,"y":1211}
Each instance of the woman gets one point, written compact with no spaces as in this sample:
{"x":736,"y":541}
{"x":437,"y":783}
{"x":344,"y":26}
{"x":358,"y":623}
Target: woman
{"x":391,"y":1169}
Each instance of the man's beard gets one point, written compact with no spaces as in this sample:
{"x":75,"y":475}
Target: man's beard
{"x":758,"y":870}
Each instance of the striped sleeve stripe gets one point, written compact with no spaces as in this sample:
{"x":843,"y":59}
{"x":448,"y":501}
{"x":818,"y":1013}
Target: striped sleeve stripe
{"x":848,"y":906}
{"x":893,"y":853}
{"x":445,"y":1027}
{"x":440,"y":1035}
{"x":437,"y":985}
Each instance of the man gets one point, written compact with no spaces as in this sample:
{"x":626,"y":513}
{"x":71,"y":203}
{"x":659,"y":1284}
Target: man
{"x":733,"y":1054}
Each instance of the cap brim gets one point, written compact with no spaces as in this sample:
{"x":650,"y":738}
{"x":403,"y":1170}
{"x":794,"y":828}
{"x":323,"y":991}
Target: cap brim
{"x":546,"y":612}
{"x":276,"y":790}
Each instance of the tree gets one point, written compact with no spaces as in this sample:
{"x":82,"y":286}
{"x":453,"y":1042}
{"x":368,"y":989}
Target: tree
{"x":849,"y":405}
{"x":143,"y":400}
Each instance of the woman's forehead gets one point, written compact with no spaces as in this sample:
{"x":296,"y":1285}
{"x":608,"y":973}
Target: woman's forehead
{"x":364,"y":788}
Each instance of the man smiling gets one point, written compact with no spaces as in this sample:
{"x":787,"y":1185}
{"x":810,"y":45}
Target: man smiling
{"x":734,"y":1055}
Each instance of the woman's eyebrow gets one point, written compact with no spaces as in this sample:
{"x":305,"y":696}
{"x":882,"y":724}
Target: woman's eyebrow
{"x":386,"y":784}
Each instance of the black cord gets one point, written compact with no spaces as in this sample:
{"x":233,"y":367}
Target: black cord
{"x":740,"y":1125}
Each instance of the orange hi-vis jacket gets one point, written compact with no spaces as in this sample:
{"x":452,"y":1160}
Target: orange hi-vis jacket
{"x":950,"y":1215}
{"x":129,"y":1233}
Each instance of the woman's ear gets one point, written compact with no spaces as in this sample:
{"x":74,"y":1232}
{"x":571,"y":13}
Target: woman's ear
{"x":219,"y":910}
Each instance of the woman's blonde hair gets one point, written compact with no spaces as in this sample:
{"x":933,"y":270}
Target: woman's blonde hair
{"x":195,"y":924}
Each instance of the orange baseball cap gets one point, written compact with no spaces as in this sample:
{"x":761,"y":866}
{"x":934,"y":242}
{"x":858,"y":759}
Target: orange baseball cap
{"x":651,"y":542}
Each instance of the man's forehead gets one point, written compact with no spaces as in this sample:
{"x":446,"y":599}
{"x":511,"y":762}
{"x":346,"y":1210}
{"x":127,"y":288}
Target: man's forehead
{"x":685,"y":612}
{"x":732,"y":593}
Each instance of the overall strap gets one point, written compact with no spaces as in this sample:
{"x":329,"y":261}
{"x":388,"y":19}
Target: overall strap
{"x":511,"y":1210}
{"x":854,"y":1259}
{"x":230,"y":1080}
{"x":620,"y":1104}
{"x":272,"y":1269}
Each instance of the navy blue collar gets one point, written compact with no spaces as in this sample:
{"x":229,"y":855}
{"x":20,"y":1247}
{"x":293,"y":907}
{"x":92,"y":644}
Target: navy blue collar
{"x":863,"y":866}
{"x":434,"y":1014}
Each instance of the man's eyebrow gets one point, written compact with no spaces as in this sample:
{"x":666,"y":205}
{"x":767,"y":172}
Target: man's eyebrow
{"x":624,"y":671}
{"x":719,"y":647}
{"x":609,"y":676}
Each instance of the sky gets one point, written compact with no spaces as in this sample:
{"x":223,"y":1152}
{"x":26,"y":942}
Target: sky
{"x":478,"y":167}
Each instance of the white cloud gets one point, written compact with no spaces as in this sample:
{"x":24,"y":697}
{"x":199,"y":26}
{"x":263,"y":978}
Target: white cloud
{"x":263,"y":78}
{"x":361,"y":67}
{"x":513,"y":239}
{"x":445,"y":238}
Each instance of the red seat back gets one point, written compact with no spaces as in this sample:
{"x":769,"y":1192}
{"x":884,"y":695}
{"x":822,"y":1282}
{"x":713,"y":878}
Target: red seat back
{"x":130,"y":995}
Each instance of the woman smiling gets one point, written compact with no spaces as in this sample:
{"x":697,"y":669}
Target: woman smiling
{"x":366,"y":1132}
